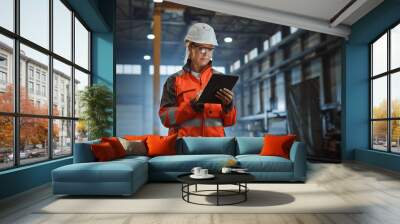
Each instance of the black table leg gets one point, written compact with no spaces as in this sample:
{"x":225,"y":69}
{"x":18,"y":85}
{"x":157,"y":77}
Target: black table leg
{"x":217,"y":194}
{"x":245,"y":193}
{"x":196,"y":188}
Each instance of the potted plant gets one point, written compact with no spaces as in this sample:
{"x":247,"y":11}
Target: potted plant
{"x":96,"y":102}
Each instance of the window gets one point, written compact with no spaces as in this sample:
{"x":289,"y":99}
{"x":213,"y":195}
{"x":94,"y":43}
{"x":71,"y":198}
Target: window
{"x":3,"y":78}
{"x":62,"y":29}
{"x":35,"y":22}
{"x":266,"y":45}
{"x":7,"y":14}
{"x":3,"y":61}
{"x":81,"y":82}
{"x":40,"y":62}
{"x":63,"y":73}
{"x":246,"y":58}
{"x":45,"y":131}
{"x":30,"y":72}
{"x":385,"y":95}
{"x":253,"y":53}
{"x":293,"y":29}
{"x":81,"y":45}
{"x":6,"y":87}
{"x":220,"y":69}
{"x":37,"y":89}
{"x":30,"y":87}
{"x":126,"y":69}
{"x":43,"y":90}
{"x":276,"y":38}
{"x":235,"y":65}
{"x":166,"y":69}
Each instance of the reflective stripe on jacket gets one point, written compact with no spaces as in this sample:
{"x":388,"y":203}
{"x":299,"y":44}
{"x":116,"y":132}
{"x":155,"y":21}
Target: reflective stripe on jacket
{"x":177,"y":114}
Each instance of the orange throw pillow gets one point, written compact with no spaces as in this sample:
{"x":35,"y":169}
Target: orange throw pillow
{"x":277,"y":145}
{"x":116,"y":145}
{"x":103,"y":152}
{"x":136,"y":137}
{"x":161,"y":145}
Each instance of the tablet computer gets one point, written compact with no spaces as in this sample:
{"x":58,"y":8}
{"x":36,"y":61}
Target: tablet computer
{"x":215,"y":83}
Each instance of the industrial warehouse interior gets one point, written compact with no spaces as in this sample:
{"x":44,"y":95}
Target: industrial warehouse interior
{"x":100,"y":120}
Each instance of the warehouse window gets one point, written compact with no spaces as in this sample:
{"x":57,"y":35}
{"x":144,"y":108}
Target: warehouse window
{"x":293,"y":29}
{"x":235,"y":65}
{"x":45,"y":43}
{"x":166,"y":69}
{"x":253,"y":53}
{"x":266,"y":45}
{"x":276,"y":38}
{"x":384,"y":92}
{"x":128,"y":69}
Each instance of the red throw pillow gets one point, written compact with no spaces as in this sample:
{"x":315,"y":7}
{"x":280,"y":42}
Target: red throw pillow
{"x":161,"y":145}
{"x":103,"y":151}
{"x":277,"y":145}
{"x":116,"y":145}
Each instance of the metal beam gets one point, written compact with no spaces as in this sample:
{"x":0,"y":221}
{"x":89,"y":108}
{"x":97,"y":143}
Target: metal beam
{"x":268,"y":15}
{"x":346,"y":11}
{"x":157,"y":62}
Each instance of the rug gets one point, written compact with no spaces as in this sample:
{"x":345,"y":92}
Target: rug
{"x":167,"y":198}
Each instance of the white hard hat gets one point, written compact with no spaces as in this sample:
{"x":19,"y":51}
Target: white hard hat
{"x":201,"y":33}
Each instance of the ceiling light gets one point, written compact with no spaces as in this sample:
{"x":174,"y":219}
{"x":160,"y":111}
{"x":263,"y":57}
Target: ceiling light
{"x":158,"y":1}
{"x":146,"y":57}
{"x":228,"y":39}
{"x":150,"y":36}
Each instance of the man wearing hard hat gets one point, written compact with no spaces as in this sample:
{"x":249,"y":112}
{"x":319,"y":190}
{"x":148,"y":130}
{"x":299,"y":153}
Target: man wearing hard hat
{"x":179,"y":109}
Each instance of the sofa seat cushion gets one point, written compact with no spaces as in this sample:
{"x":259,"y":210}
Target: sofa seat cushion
{"x":112,"y":171}
{"x":257,"y":163}
{"x":185,"y":163}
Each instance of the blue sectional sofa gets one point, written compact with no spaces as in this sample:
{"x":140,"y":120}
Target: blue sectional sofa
{"x":125,"y":176}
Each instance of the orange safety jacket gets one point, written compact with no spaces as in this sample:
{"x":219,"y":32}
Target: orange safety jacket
{"x":178,"y":113}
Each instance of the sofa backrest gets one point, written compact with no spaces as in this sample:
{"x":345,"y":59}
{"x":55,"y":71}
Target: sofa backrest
{"x":206,"y":145}
{"x":83,"y":152}
{"x":249,"y":145}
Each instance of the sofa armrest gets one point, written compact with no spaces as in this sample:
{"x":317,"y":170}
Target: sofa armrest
{"x":299,"y":159}
{"x":83,"y":152}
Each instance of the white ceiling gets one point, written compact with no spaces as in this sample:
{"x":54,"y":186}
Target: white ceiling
{"x":314,"y":15}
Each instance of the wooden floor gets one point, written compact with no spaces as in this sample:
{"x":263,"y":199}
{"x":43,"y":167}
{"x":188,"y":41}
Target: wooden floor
{"x":377,"y":188}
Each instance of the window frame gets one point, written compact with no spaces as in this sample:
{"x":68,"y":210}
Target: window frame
{"x":388,"y":74}
{"x":16,"y":115}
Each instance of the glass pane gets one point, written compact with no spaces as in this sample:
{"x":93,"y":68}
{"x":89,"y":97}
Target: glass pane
{"x":33,"y":139}
{"x":7,"y":14}
{"x":62,"y":29}
{"x":35,"y":21}
{"x":6,"y":74}
{"x":395,"y":95}
{"x":395,"y":136}
{"x":379,"y":135}
{"x":379,"y":55}
{"x":62,"y":138}
{"x":6,"y":142}
{"x":81,"y":45}
{"x":395,"y":47}
{"x":379,"y":98}
{"x":62,"y":89}
{"x":34,"y":81}
{"x":81,"y":81}
{"x":81,"y":131}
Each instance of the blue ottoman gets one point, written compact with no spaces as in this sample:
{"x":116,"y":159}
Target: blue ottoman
{"x":118,"y":177}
